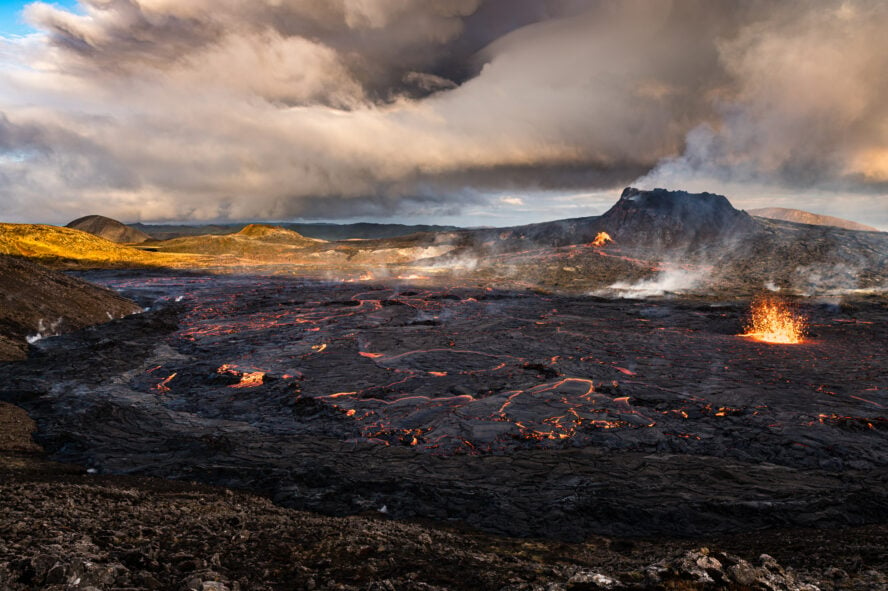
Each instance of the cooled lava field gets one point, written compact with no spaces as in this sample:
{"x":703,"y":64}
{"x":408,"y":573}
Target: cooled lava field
{"x":512,"y":411}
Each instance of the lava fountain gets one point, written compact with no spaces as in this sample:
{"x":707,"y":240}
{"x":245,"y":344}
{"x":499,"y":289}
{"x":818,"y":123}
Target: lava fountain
{"x":772,"y":320}
{"x":601,"y":239}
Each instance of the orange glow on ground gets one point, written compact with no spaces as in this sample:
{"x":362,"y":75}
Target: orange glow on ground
{"x":250,"y":380}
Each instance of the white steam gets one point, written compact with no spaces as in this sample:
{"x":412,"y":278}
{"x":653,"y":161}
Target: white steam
{"x":44,"y":330}
{"x":669,"y":281}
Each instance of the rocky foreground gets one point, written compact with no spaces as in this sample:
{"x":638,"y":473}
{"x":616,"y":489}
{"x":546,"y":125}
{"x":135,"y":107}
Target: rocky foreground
{"x":62,"y":528}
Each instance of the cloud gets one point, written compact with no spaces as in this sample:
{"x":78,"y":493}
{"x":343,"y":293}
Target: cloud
{"x":215,"y":109}
{"x":803,"y":106}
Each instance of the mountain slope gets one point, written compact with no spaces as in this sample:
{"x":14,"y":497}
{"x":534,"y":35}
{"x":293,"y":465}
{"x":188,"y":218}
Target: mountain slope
{"x":673,"y":238}
{"x":109,"y":229}
{"x":38,"y":302}
{"x":806,"y":217}
{"x":809,"y":259}
{"x":661,"y":219}
{"x":67,"y":247}
{"x":654,"y":220}
{"x":255,"y":241}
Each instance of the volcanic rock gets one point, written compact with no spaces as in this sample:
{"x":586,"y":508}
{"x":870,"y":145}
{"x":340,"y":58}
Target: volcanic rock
{"x":38,"y":302}
{"x":326,"y":399}
{"x":806,"y":217}
{"x":654,"y":221}
{"x":806,"y":259}
{"x":705,"y":569}
{"x":663,"y":242}
{"x":672,"y":242}
{"x":63,"y":528}
{"x":669,"y":220}
{"x":109,"y":229}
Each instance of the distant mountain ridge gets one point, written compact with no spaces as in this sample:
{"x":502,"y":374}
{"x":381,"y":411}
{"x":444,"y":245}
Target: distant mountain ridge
{"x":252,"y":241}
{"x":109,"y":229}
{"x":651,"y":231}
{"x":806,"y":217}
{"x":321,"y":231}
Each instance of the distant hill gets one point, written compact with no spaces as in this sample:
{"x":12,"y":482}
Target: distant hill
{"x":652,"y":220}
{"x":806,"y":217}
{"x":322,"y":231}
{"x":363,"y":230}
{"x":673,"y":238}
{"x":109,"y":229}
{"x":38,"y":302}
{"x":700,"y":234}
{"x":171,"y":231}
{"x":256,"y":241}
{"x":674,"y":219}
{"x":67,"y":247}
{"x":269,"y":233}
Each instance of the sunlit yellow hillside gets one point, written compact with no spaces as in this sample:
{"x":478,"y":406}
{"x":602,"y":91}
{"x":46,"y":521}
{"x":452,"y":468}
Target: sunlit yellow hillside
{"x":269,"y":233}
{"x":66,"y":247}
{"x":255,"y":241}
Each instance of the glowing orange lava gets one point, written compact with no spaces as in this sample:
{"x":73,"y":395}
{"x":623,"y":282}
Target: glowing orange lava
{"x":250,"y":380}
{"x":601,"y":239}
{"x":772,"y":320}
{"x":162,"y":386}
{"x":247,"y":379}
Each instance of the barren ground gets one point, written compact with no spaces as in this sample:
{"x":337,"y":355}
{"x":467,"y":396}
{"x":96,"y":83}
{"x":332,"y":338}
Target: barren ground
{"x":59,"y":525}
{"x":556,"y":419}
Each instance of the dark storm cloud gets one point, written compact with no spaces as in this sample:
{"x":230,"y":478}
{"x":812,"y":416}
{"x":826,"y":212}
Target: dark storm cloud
{"x":162,"y":109}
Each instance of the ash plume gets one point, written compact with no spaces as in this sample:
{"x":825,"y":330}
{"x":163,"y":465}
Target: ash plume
{"x":212,"y":110}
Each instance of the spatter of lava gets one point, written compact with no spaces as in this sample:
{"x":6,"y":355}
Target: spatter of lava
{"x":601,"y":239}
{"x":773,"y":320}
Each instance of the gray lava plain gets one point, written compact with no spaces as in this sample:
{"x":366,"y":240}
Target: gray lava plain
{"x":515,"y":412}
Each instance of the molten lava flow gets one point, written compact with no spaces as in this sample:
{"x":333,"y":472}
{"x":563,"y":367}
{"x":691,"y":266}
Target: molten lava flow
{"x":247,"y":379}
{"x":772,"y":320}
{"x":601,"y":239}
{"x":162,"y":386}
{"x":250,"y":380}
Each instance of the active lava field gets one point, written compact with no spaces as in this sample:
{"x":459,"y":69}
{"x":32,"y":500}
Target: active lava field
{"x":513,"y":411}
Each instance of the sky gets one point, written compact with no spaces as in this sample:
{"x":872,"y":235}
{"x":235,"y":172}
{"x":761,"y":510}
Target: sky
{"x":12,"y":21}
{"x":467,"y":112}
